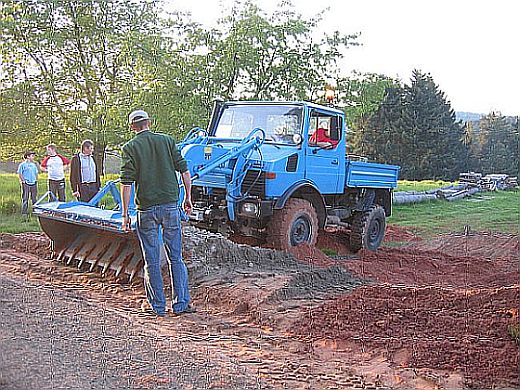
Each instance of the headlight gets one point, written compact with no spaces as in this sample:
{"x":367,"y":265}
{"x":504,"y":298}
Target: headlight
{"x":250,"y":209}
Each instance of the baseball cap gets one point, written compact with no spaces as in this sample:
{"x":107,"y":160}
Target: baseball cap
{"x":137,"y":116}
{"x":28,"y":153}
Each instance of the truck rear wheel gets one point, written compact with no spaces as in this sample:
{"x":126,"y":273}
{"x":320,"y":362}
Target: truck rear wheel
{"x":295,"y":224}
{"x":368,"y":229}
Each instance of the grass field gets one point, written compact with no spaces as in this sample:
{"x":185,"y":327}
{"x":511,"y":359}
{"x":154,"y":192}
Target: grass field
{"x":10,"y":202}
{"x":423,"y":185}
{"x":488,"y":211}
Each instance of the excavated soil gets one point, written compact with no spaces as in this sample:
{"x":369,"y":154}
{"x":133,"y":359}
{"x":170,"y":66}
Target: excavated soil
{"x":424,"y":314}
{"x":444,"y":304}
{"x":447,"y":329}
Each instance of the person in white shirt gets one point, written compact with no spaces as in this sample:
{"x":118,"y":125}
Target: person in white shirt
{"x":55,"y":164}
{"x":84,"y":175}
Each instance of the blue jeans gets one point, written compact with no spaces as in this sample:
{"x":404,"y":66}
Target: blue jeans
{"x":149,"y":223}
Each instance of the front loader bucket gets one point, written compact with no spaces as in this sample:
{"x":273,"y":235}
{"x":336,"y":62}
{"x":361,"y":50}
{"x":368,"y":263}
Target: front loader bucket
{"x":94,"y":248}
{"x":91,"y":238}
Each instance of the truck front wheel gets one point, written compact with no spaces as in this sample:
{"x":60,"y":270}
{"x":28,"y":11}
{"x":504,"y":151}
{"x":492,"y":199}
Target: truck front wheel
{"x":295,"y":224}
{"x":368,"y":229}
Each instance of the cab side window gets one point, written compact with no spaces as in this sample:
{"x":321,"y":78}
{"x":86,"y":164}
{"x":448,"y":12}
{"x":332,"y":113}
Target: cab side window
{"x":324,"y":130}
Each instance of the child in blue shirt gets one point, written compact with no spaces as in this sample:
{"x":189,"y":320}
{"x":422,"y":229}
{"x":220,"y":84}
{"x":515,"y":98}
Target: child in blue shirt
{"x":28,"y":175}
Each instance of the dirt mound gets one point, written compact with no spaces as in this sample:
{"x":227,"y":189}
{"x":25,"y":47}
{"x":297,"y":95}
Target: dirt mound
{"x":337,"y":240}
{"x":484,"y":245}
{"x":311,"y":282}
{"x":35,"y":243}
{"x":213,"y":258}
{"x":414,"y":267}
{"x":396,"y":233}
{"x":455,"y":330}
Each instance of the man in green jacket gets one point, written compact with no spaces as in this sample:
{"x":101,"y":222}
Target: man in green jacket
{"x":151,"y":160}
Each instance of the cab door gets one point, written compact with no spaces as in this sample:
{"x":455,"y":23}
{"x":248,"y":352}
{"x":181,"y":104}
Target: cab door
{"x":324,"y":163}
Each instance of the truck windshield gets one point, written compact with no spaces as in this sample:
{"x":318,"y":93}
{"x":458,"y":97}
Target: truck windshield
{"x":282,"y":124}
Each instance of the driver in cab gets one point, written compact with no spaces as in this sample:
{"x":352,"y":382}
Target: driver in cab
{"x":321,"y":137}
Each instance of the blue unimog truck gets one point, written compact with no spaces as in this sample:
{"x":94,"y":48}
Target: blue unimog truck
{"x":259,"y":170}
{"x":277,"y":184}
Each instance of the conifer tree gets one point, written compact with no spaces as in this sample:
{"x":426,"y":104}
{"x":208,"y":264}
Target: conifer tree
{"x":496,"y":148}
{"x":415,"y":127}
{"x":440,"y":152}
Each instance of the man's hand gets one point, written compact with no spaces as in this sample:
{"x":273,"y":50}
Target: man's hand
{"x":187,"y":206}
{"x":126,"y":189}
{"x":126,"y":223}
{"x":186,"y":180}
{"x":76,"y":194}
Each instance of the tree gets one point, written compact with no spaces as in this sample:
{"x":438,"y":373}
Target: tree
{"x":438,"y":136}
{"x":248,"y":55}
{"x":72,"y":63}
{"x":251,"y":55}
{"x":416,"y":128}
{"x":361,"y":96}
{"x":495,"y":147}
{"x":383,"y":138}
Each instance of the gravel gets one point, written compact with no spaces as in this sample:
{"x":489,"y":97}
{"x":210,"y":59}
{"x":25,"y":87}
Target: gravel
{"x":51,"y":339}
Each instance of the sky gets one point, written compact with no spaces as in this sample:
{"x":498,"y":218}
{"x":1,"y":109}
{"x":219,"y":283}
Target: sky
{"x":470,"y":48}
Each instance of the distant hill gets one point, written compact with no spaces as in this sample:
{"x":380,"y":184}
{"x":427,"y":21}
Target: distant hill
{"x":467,"y":116}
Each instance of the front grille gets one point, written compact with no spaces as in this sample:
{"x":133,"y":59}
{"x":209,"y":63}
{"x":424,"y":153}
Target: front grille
{"x":254,"y":183}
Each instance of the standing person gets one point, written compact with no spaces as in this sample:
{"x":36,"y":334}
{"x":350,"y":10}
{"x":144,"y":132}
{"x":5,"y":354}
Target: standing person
{"x":55,"y":164}
{"x":28,"y":175}
{"x":151,"y":160}
{"x":84,"y":175}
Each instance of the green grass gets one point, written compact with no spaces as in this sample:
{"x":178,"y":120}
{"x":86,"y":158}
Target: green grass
{"x":514,"y":331}
{"x":14,"y":223}
{"x":329,"y":252}
{"x":423,"y":185}
{"x":486,"y":211}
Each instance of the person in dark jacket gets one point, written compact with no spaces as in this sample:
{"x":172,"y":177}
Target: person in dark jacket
{"x":84,"y":175}
{"x":151,"y":162}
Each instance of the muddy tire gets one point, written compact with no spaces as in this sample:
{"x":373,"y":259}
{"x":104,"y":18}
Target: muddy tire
{"x":295,"y":224}
{"x":368,"y":229}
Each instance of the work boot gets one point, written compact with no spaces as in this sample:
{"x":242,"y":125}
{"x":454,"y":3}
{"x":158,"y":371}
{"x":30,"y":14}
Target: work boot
{"x":147,"y":311}
{"x":189,"y":310}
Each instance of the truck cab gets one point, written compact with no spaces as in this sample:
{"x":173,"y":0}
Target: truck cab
{"x":278,"y":171}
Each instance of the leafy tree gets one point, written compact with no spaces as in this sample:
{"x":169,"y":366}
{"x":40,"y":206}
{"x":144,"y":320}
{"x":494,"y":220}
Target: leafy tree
{"x":361,"y":96}
{"x":251,"y":55}
{"x":248,"y":55}
{"x":73,"y":64}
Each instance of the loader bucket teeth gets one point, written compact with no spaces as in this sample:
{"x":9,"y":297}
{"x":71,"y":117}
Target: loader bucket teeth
{"x":93,"y":247}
